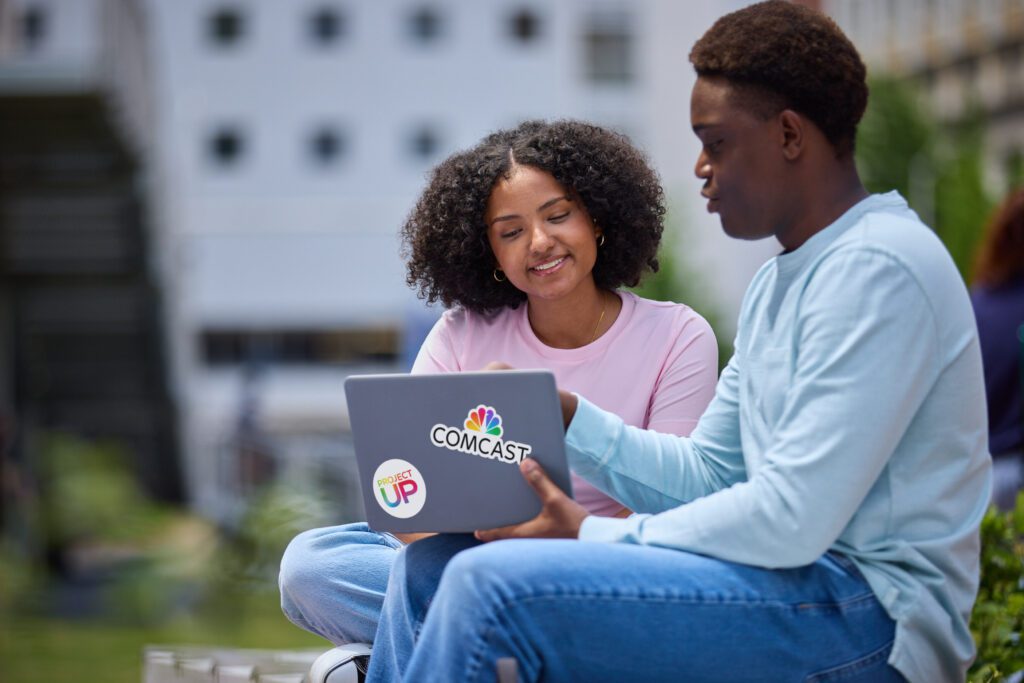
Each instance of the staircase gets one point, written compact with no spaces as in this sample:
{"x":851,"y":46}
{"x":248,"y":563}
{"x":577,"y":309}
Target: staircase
{"x":80,"y":304}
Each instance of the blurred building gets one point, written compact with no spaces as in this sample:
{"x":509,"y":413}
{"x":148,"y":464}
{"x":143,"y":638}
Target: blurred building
{"x":293,"y":139}
{"x":82,"y":347}
{"x":967,"y":56}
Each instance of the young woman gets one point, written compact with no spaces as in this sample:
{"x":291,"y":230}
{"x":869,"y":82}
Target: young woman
{"x":526,"y":239}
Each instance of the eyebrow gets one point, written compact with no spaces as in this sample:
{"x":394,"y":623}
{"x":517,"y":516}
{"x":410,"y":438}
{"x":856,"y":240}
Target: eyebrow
{"x":548,"y":203}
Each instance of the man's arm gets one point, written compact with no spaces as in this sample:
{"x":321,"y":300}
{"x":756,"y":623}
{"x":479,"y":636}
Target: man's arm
{"x":867,"y":356}
{"x":652,"y":472}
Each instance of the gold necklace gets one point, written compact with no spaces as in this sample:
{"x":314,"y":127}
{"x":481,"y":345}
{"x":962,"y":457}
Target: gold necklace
{"x":604,"y":307}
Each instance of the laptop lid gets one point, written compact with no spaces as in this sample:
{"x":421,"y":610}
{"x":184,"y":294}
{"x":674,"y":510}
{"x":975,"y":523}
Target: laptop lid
{"x":441,"y":452}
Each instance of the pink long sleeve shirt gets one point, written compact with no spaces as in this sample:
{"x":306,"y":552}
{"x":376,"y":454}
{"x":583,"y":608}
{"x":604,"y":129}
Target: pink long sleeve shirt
{"x":656,"y":367}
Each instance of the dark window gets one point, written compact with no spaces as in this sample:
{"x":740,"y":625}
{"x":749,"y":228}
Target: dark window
{"x":34,"y":24}
{"x":226,"y":27}
{"x":326,"y":26}
{"x":226,"y":146}
{"x":524,"y":25}
{"x":425,"y":25}
{"x":608,"y":48}
{"x":326,"y":145}
{"x":424,"y":143}
{"x":300,"y":347}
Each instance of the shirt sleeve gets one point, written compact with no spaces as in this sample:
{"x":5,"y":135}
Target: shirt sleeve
{"x":687,"y":383}
{"x":867,"y":356}
{"x":437,"y":353}
{"x":651,"y":472}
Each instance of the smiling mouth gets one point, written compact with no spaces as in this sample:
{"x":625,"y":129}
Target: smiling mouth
{"x":549,"y":265}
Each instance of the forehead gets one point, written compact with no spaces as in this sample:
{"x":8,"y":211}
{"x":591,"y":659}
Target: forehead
{"x":715,"y":102}
{"x":524,"y":184}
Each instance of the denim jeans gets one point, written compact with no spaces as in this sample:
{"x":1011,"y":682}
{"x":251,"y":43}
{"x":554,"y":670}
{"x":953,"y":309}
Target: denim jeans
{"x":333,"y":581}
{"x":577,"y":611}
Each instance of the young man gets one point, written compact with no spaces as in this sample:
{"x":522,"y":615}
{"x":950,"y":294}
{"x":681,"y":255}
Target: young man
{"x":821,"y":523}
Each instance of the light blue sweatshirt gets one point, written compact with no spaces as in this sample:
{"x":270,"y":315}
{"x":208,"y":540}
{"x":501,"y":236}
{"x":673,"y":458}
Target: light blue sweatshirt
{"x":851,"y":418}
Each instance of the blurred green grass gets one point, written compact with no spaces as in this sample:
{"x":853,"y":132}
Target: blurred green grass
{"x":36,"y":649}
{"x":96,"y":571}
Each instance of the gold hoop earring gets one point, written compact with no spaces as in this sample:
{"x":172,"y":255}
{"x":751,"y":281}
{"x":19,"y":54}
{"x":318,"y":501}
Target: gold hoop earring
{"x":495,"y":274}
{"x":600,"y":240}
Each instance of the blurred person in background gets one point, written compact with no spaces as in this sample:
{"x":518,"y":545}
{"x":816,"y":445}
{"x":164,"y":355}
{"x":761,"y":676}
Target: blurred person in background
{"x":526,"y":239}
{"x":997,"y":295}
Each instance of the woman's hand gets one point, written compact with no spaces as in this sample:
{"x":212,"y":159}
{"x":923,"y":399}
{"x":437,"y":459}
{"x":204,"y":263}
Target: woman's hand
{"x":411,"y":537}
{"x":566,"y":399}
{"x":560,"y":516}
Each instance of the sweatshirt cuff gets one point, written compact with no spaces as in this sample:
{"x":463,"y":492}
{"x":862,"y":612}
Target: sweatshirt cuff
{"x":611,"y":529}
{"x":590,"y":437}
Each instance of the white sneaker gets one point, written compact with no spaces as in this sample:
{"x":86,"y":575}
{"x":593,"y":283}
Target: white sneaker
{"x":343,"y":664}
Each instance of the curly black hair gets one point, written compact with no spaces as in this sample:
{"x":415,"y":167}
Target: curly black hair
{"x":783,"y":55}
{"x":449,"y":258}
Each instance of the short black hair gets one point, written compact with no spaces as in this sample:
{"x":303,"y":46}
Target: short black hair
{"x":449,"y":258}
{"x":784,"y":55}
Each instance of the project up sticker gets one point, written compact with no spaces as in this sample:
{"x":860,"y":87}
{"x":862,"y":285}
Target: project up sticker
{"x":399,"y":488}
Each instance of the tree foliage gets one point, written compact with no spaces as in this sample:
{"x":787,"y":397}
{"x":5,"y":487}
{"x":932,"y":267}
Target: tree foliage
{"x":997,"y":621}
{"x":900,"y":146}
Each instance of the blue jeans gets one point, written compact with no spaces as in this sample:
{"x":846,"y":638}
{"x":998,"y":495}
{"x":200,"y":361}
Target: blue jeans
{"x":333,"y":581}
{"x":576,"y":611}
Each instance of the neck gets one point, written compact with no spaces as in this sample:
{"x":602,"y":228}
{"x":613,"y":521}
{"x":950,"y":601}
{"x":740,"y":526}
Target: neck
{"x":822,"y":203}
{"x":574,"y":320}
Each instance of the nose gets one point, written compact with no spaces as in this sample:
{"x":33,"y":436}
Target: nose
{"x":540,"y":239}
{"x":703,"y":167}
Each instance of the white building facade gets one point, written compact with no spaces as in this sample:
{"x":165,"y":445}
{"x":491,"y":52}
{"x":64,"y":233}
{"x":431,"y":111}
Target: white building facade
{"x":964,"y":55}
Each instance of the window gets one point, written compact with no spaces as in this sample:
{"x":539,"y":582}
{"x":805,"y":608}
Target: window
{"x":425,"y":25}
{"x":300,"y":347}
{"x":326,"y":146}
{"x":34,"y":24}
{"x":326,"y":26}
{"x":226,"y":146}
{"x":608,"y":48}
{"x":424,"y":143}
{"x":524,"y":26}
{"x":225,"y":27}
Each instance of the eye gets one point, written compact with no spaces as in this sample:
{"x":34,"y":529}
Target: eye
{"x":509,"y":234}
{"x":712,"y":147}
{"x":558,"y":218}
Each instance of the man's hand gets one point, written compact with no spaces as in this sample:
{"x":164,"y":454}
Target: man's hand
{"x":560,"y":516}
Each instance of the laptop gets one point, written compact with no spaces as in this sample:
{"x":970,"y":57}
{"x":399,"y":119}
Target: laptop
{"x":441,"y":452}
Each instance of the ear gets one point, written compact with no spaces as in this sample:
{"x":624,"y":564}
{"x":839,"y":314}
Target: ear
{"x":792,"y":127}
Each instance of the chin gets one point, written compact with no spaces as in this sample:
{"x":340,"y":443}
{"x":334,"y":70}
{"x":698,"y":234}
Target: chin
{"x":742,"y":231}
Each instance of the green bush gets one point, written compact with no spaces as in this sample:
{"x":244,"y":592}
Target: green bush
{"x":998,"y":618}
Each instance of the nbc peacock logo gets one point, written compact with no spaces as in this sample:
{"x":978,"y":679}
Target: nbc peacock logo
{"x":484,"y":419}
{"x":481,"y":437}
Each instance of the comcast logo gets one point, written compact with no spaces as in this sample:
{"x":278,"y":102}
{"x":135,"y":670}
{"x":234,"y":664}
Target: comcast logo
{"x":481,"y":437}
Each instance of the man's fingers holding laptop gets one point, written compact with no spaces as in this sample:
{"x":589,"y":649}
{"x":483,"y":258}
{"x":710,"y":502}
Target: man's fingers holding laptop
{"x":560,"y":516}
